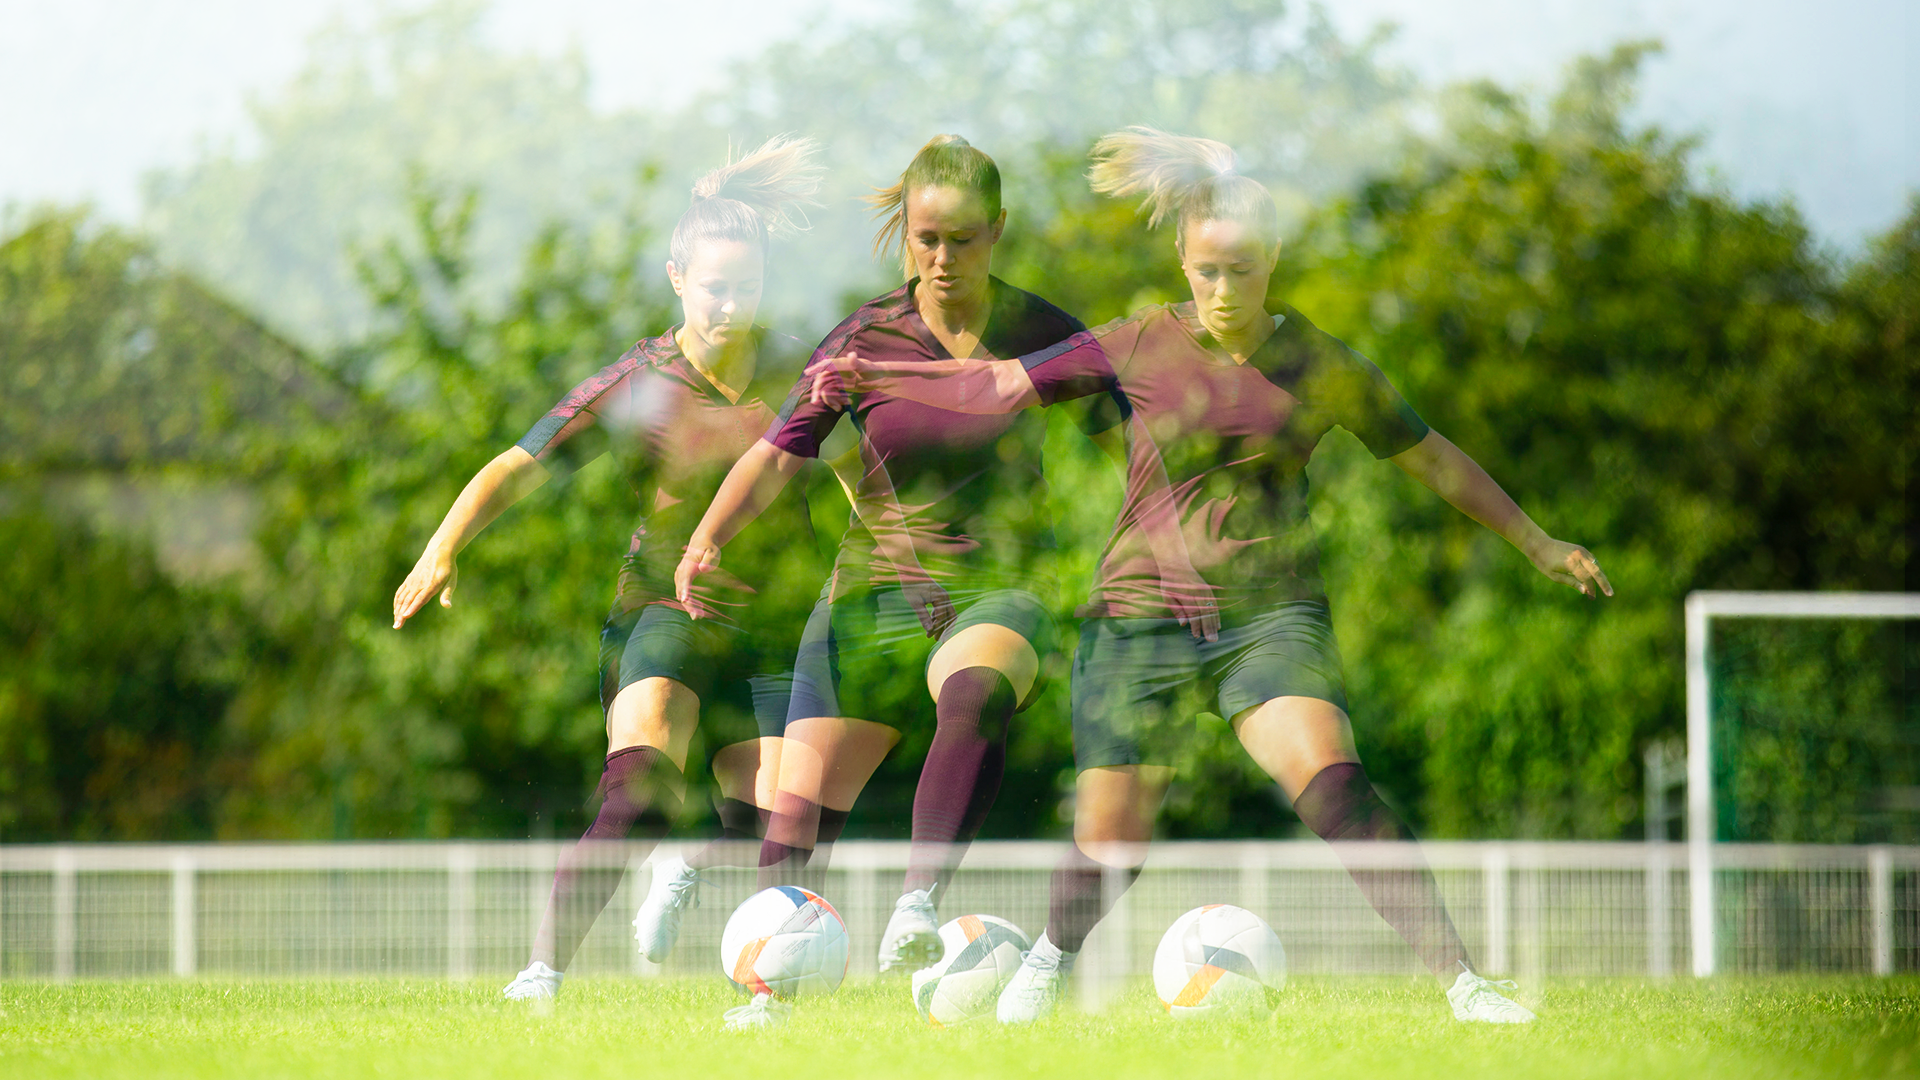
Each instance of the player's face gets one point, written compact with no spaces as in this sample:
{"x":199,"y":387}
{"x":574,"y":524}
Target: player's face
{"x":720,"y":291}
{"x":951,"y":238}
{"x":1228,"y":265}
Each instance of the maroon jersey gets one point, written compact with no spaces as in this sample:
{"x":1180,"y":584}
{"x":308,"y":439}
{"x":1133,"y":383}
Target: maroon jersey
{"x":1235,"y":439}
{"x":675,"y":436}
{"x":968,"y":489}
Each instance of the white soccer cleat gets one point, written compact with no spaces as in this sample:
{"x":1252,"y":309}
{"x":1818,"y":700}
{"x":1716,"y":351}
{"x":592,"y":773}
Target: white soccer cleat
{"x":1034,"y":991}
{"x":675,"y":888}
{"x":764,"y":1011}
{"x":538,"y":983}
{"x":912,"y":939}
{"x":1479,"y":1001}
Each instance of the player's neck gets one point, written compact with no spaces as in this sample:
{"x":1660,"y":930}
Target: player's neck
{"x":729,"y":370}
{"x":960,"y":324}
{"x":1242,"y":343}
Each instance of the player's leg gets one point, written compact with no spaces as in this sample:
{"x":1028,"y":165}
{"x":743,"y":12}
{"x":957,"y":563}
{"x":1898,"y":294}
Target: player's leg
{"x":1114,"y":810}
{"x":745,"y":774}
{"x":651,"y":716}
{"x":985,"y":670}
{"x":1130,"y":678}
{"x":825,"y":762}
{"x":641,"y":788}
{"x":1306,"y":744}
{"x":829,"y":752}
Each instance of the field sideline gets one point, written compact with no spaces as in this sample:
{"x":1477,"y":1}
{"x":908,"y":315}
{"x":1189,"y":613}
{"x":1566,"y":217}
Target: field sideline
{"x":1379,"y":1029}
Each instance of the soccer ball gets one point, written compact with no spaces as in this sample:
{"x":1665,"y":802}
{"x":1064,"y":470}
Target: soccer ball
{"x":786,"y":942}
{"x":1218,"y":960}
{"x":981,"y":955}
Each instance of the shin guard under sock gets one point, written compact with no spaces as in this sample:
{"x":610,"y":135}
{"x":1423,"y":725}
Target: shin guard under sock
{"x":1082,"y":893}
{"x":800,"y":833}
{"x":962,"y":772}
{"x":1340,"y":804}
{"x":638,"y":796}
{"x":742,"y":827}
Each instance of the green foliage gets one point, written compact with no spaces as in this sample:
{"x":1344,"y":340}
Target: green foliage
{"x":275,"y":227}
{"x":1669,"y":378}
{"x":112,"y":681}
{"x":476,"y":720}
{"x":1687,"y":385}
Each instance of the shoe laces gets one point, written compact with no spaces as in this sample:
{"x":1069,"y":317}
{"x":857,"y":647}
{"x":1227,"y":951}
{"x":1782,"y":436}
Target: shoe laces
{"x":682,"y":888}
{"x":1048,"y":965}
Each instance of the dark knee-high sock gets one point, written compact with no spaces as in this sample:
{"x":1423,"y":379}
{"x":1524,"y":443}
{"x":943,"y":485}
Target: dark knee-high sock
{"x":962,"y":773}
{"x":637,"y":798}
{"x":800,"y":837}
{"x":742,"y":826}
{"x":1081,"y":897}
{"x":793,"y":829}
{"x":1339,"y":803}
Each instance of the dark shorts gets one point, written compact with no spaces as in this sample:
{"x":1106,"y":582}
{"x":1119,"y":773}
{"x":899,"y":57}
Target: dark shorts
{"x":856,"y":648}
{"x":742,"y":680}
{"x":1138,"y":684}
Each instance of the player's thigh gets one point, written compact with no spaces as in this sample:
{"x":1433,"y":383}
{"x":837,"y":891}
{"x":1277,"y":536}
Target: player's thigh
{"x":1114,"y":810}
{"x":829,"y":759}
{"x":1293,"y":738}
{"x":657,"y":712}
{"x":1007,"y":630}
{"x":749,"y":771}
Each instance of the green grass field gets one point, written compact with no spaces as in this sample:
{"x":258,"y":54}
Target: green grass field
{"x":1326,"y":1027}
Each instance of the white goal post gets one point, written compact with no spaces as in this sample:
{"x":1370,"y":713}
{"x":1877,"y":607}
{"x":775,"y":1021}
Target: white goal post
{"x":1702,"y":608}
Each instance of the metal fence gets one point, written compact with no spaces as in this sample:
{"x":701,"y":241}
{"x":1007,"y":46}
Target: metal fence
{"x":461,"y":909}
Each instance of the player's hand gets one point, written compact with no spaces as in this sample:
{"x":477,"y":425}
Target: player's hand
{"x":931,"y":603}
{"x":435,"y":572}
{"x":1571,"y":564}
{"x":700,"y":558}
{"x":836,"y":379}
{"x":1194,"y":607}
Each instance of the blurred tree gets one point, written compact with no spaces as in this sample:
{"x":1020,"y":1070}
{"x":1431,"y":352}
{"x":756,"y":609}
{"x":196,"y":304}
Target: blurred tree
{"x":1688,"y":385}
{"x":325,"y":167}
{"x":1677,"y":381}
{"x":113,"y":683}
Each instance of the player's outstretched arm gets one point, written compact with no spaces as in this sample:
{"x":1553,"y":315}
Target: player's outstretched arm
{"x":499,"y":484}
{"x":1461,"y":481}
{"x":965,"y":385}
{"x":750,"y":487}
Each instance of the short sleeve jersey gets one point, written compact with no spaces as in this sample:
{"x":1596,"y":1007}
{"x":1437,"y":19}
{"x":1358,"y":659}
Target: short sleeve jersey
{"x":1235,"y":439}
{"x":675,"y":436}
{"x":969,"y":489}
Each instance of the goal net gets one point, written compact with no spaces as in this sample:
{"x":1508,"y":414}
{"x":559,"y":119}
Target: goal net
{"x":1803,"y":728}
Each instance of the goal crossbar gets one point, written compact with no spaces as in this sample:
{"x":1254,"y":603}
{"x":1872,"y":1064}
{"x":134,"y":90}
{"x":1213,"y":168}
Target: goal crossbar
{"x":1701,"y":609}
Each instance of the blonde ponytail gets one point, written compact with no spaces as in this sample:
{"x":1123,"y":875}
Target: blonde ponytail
{"x":761,"y":195}
{"x":1182,"y":177}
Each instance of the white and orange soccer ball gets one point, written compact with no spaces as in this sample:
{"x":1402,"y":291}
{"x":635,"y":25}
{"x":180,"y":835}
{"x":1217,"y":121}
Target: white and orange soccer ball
{"x":1218,"y":960}
{"x":785,"y":941}
{"x":981,"y":954}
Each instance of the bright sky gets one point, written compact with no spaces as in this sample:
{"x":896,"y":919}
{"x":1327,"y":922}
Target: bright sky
{"x":1813,"y":97}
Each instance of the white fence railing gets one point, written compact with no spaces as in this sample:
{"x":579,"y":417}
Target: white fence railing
{"x":460,"y":909}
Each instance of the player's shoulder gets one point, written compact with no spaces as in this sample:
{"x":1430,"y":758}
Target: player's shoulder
{"x":1031,"y":312}
{"x":1297,"y":348}
{"x":781,"y":354}
{"x":887,"y":308}
{"x":646,"y":353}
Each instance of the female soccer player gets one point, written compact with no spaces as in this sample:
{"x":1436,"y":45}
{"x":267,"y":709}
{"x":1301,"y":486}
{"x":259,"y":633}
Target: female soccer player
{"x":676,"y":411}
{"x":950,"y":514}
{"x":1235,"y":389}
